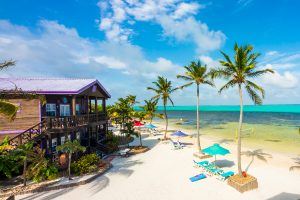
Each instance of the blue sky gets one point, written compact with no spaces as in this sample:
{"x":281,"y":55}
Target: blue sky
{"x":127,"y":43}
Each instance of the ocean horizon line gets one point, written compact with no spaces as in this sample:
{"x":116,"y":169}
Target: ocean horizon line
{"x":282,"y":108}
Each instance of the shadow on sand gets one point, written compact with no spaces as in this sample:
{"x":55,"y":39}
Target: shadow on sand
{"x":48,"y":195}
{"x":224,"y":163}
{"x":285,"y":196}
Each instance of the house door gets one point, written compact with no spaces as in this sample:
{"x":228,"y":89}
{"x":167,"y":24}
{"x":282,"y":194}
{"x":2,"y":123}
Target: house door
{"x":64,"y":110}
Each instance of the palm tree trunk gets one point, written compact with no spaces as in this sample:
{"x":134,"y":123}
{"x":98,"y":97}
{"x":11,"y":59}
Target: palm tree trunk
{"x":24,"y":171}
{"x":141,"y":144}
{"x":166,"y":117}
{"x":240,"y":132}
{"x":198,"y":126}
{"x":69,"y":165}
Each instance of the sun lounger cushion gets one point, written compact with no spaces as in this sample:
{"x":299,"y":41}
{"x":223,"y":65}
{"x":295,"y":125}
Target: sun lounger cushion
{"x":227,"y":174}
{"x":197,"y":177}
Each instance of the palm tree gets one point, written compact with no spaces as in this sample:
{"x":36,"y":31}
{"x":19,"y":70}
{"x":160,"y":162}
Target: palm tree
{"x":150,"y":109}
{"x":70,"y":147}
{"x":27,"y":155}
{"x":196,"y":73}
{"x":163,"y":89}
{"x":6,"y":108}
{"x":239,"y":71}
{"x":258,"y":153}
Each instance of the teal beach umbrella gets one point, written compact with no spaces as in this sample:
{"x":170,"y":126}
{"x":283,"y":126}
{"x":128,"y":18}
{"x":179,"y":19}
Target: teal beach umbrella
{"x":216,"y":149}
{"x":149,"y":126}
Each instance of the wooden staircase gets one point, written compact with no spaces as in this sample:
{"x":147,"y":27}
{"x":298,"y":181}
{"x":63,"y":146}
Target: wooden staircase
{"x":29,"y":135}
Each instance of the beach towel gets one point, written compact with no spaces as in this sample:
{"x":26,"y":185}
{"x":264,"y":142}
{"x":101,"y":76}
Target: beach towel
{"x":197,"y":177}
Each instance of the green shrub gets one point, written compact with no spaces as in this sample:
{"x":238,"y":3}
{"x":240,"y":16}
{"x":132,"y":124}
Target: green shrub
{"x":50,"y":172}
{"x":86,"y":164}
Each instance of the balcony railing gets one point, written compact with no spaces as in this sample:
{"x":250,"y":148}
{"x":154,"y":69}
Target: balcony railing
{"x":73,"y":121}
{"x":49,"y":123}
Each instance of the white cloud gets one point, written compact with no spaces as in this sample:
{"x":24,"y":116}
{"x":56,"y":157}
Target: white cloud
{"x":173,"y":16}
{"x":110,"y":62}
{"x":57,"y":50}
{"x":211,"y":63}
{"x":285,"y":80}
{"x":184,"y":9}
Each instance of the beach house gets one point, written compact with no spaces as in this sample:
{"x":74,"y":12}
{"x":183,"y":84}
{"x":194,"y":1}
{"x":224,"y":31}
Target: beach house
{"x":59,"y":109}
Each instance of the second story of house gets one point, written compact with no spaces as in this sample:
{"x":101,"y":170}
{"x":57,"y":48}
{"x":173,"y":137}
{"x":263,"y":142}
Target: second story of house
{"x":57,"y":100}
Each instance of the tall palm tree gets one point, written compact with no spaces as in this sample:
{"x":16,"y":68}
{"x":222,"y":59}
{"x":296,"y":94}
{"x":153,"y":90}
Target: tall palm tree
{"x":198,"y":74}
{"x":6,"y":108}
{"x":163,"y":89}
{"x":240,"y":71}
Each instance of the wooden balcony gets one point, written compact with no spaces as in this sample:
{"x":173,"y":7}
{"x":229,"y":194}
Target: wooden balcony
{"x":55,"y":124}
{"x":73,"y":121}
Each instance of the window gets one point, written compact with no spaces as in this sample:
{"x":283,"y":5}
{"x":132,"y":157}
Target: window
{"x":51,"y":109}
{"x":62,"y":140}
{"x":54,"y":142}
{"x":77,"y":108}
{"x":78,"y":136}
{"x":64,"y":110}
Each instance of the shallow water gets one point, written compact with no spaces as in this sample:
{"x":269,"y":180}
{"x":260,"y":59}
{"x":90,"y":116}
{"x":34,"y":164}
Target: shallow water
{"x":277,"y":131}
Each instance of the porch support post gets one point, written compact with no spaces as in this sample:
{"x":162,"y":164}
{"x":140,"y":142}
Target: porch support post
{"x":103,"y":105}
{"x":96,"y":108}
{"x":74,"y":105}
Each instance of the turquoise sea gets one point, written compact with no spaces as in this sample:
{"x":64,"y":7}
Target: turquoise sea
{"x":290,"y":108}
{"x":273,"y":127}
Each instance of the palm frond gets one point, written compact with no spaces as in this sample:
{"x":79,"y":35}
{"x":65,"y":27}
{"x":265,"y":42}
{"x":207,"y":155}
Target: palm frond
{"x":253,"y":95}
{"x":256,"y":87}
{"x":186,"y":78}
{"x":259,"y":73}
{"x":209,"y":82}
{"x":229,"y":84}
{"x":7,"y":64}
{"x":8,"y":109}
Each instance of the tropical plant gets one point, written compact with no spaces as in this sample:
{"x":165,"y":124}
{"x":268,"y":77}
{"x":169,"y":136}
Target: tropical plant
{"x":239,"y":72}
{"x":86,"y":164}
{"x":40,"y":169}
{"x":130,"y":131}
{"x":141,"y":115}
{"x":6,"y":108}
{"x":163,"y":89}
{"x":150,"y":109}
{"x":8,"y":159}
{"x":70,"y":147}
{"x":258,"y":153}
{"x":27,"y":154}
{"x":197,"y":74}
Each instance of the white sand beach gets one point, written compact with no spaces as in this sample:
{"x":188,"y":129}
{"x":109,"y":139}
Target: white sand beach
{"x":163,"y":173}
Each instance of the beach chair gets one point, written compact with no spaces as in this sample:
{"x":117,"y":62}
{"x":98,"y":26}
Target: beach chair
{"x":174,"y":145}
{"x":180,"y":144}
{"x":124,"y":152}
{"x":225,"y":175}
{"x":209,"y":168}
{"x":201,"y":163}
{"x":215,"y":171}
